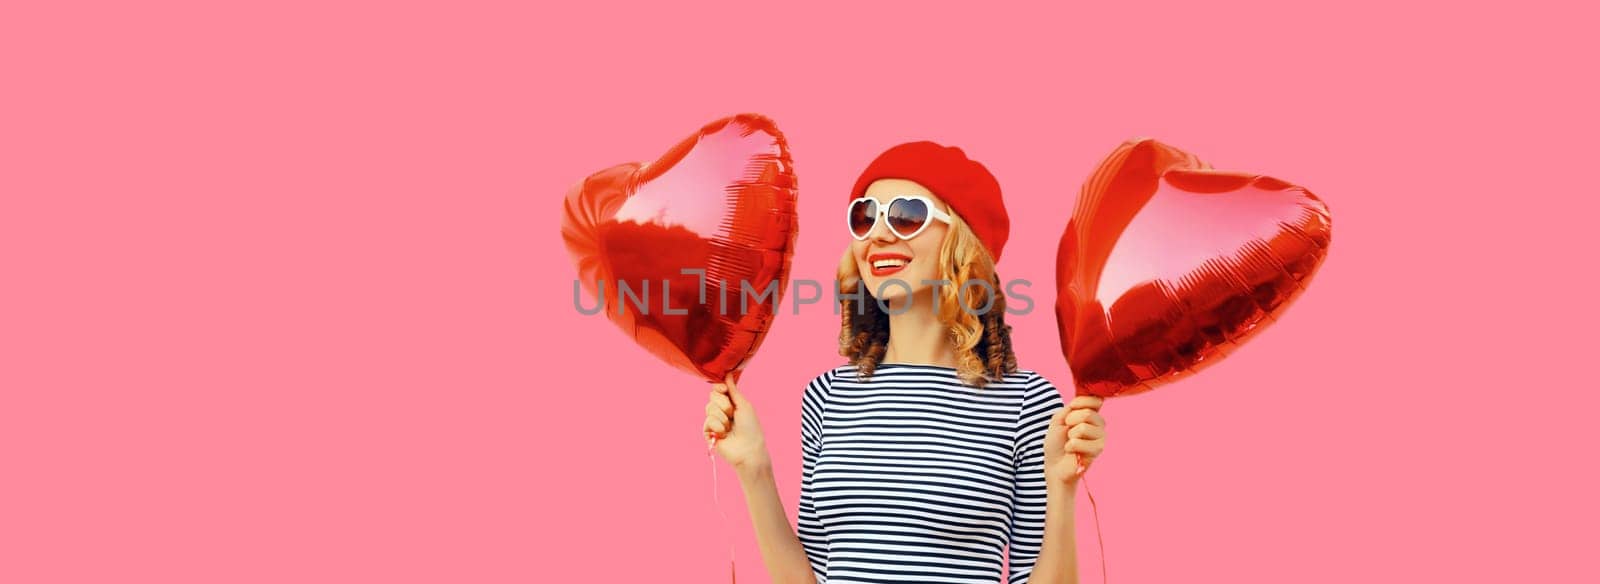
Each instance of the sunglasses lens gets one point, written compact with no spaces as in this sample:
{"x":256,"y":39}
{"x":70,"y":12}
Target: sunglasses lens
{"x":862,"y":215}
{"x":906,"y":216}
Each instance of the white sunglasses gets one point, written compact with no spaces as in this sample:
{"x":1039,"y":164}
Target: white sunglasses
{"x":907,"y":216}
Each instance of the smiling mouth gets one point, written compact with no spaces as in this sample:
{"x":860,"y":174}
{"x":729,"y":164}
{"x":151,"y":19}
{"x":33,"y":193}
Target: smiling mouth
{"x":883,"y":265}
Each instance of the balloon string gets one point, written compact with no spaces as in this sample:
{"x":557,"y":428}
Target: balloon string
{"x":1098,"y":535}
{"x":711,"y":444}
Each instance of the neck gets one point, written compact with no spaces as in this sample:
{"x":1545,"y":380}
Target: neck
{"x":916,"y":336}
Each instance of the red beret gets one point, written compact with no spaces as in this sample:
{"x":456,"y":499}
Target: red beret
{"x":965,"y":185}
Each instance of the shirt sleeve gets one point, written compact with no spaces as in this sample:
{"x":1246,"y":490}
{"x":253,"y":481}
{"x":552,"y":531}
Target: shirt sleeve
{"x":1040,"y":401}
{"x":812,"y":536}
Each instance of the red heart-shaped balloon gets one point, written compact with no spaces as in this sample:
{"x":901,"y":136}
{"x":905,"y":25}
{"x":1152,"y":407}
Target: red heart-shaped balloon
{"x":1168,"y":265}
{"x":720,"y":204}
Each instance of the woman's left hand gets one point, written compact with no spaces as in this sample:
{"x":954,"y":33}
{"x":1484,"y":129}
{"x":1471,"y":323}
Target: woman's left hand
{"x":1077,"y":434}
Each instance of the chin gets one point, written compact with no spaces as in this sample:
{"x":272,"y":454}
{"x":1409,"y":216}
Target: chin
{"x":895,"y":293}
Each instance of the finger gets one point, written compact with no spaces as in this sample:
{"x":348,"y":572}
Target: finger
{"x":1058,"y":418}
{"x":1086,"y":401}
{"x":1075,"y":417}
{"x":1085,"y":416}
{"x":716,"y":413}
{"x":718,"y":427}
{"x":733,"y":392}
{"x":1086,"y":432}
{"x":1088,"y":448}
{"x":722,"y":402}
{"x":714,"y":409}
{"x":719,"y":388}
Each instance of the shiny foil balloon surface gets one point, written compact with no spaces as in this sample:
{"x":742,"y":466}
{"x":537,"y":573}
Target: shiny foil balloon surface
{"x":720,"y":204}
{"x":1168,"y":265}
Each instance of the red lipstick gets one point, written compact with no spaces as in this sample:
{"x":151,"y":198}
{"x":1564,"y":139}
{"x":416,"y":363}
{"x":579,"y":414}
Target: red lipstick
{"x":884,"y":264}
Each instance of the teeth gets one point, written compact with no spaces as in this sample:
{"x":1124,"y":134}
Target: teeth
{"x":882,"y":264}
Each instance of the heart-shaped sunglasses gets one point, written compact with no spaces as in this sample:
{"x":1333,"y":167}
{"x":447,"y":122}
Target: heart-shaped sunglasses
{"x":907,"y":215}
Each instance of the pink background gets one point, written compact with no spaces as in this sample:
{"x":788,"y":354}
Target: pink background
{"x":285,"y":300}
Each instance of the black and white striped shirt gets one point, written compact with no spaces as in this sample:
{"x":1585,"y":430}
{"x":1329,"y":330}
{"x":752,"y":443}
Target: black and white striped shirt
{"x":913,"y":476}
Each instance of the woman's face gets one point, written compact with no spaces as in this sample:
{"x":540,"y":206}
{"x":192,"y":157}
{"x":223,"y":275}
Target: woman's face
{"x":884,"y":257}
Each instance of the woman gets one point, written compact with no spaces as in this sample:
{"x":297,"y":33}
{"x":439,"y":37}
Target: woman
{"x":931,"y":452}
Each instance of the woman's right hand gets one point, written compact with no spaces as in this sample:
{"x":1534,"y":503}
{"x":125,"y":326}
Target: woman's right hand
{"x":731,"y":421}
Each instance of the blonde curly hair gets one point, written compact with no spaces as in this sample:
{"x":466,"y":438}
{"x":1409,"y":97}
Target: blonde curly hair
{"x":982,"y":341}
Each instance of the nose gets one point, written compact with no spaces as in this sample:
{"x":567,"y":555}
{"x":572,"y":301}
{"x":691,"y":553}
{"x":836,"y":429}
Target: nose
{"x":880,"y":231}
